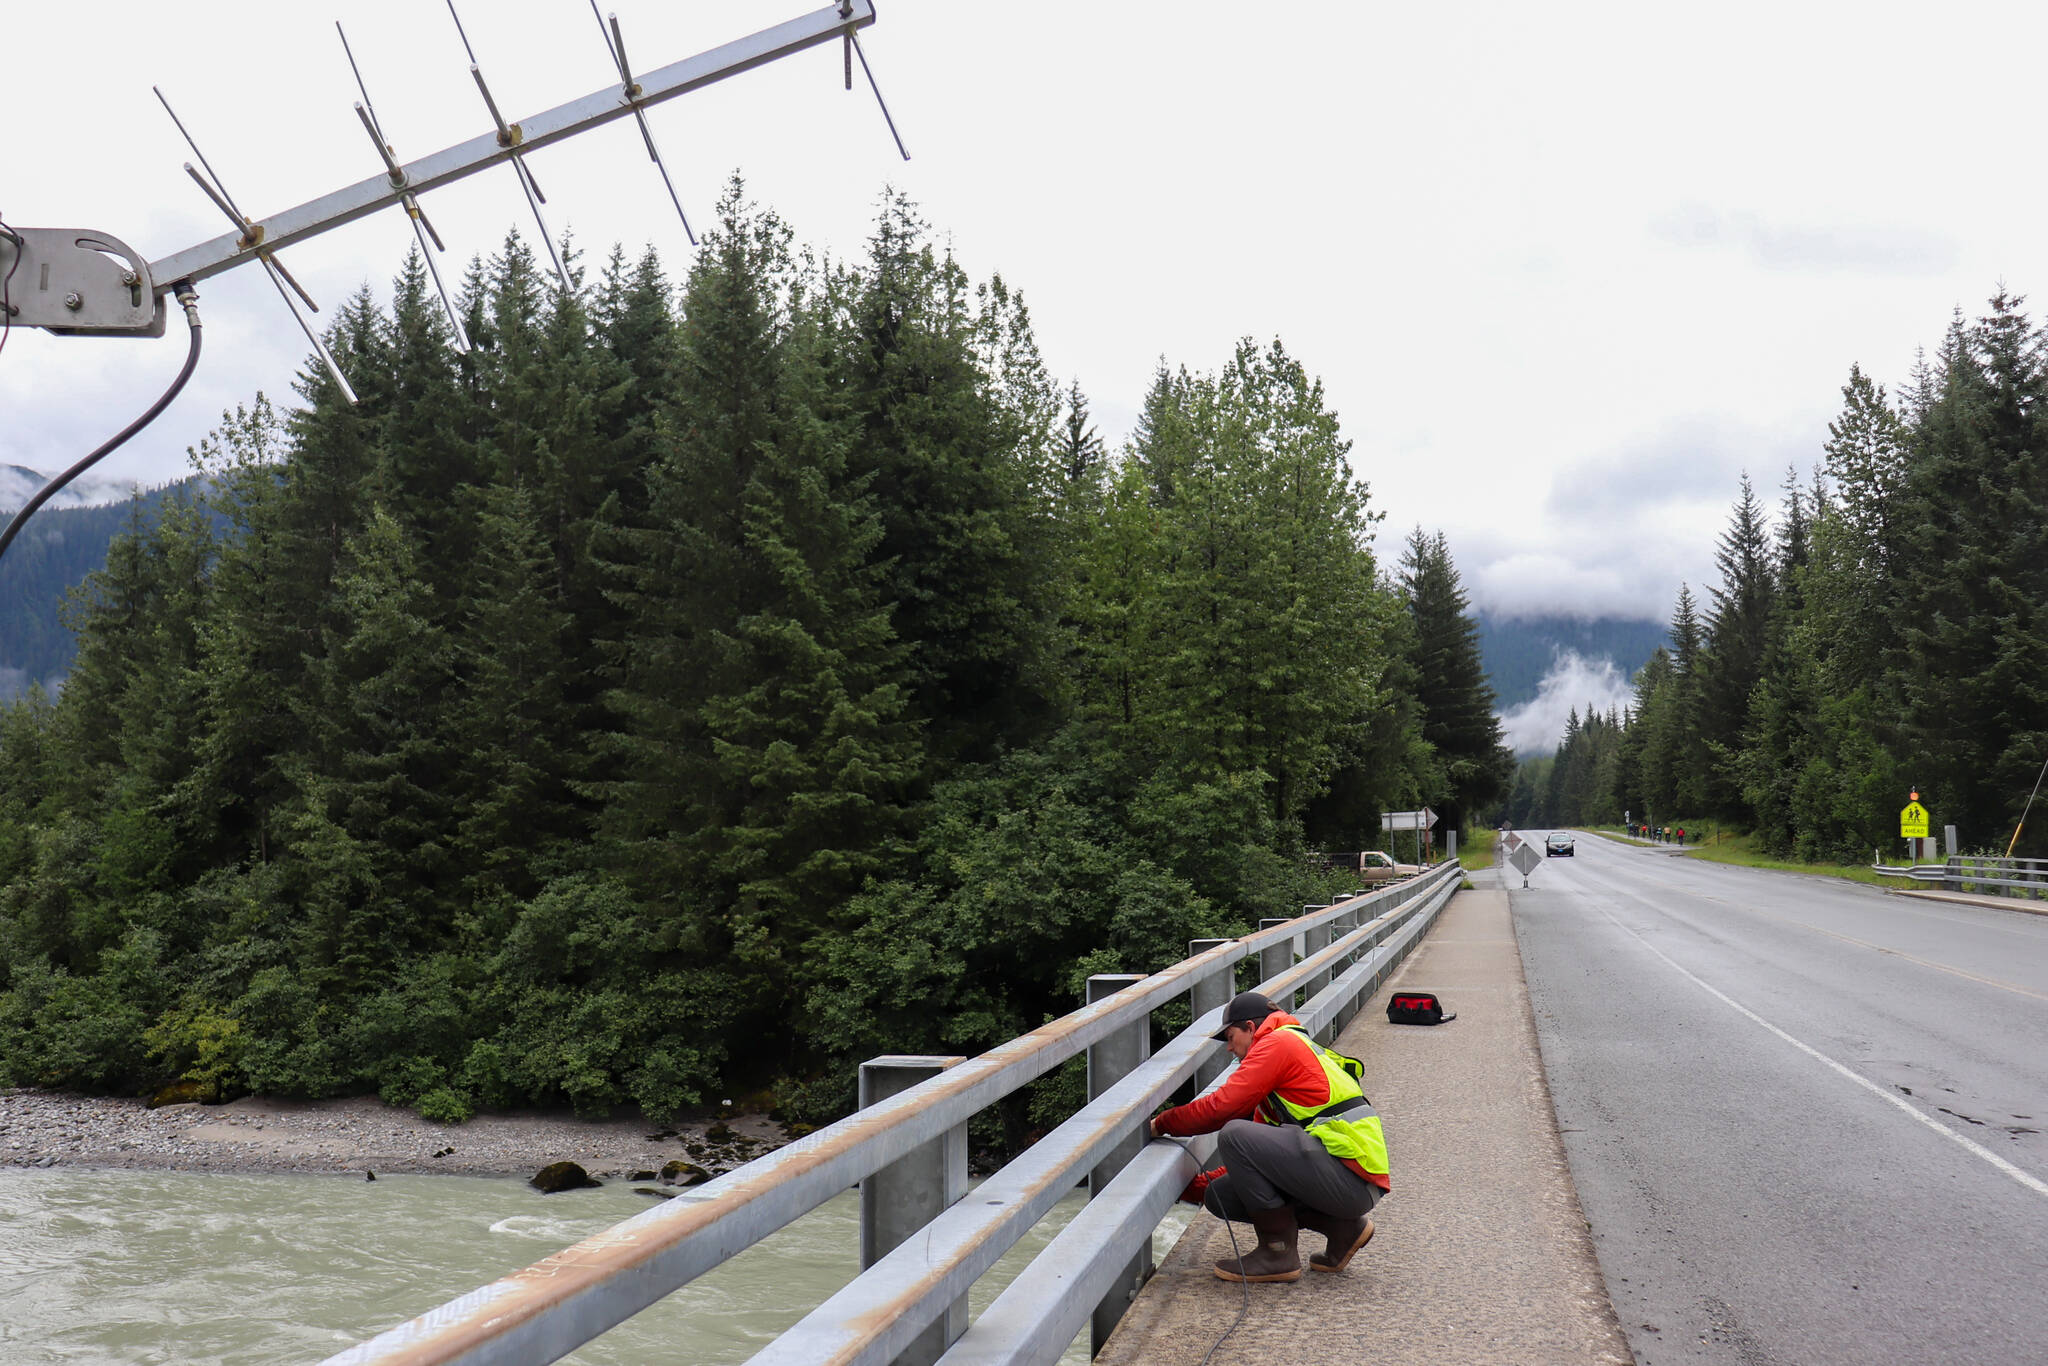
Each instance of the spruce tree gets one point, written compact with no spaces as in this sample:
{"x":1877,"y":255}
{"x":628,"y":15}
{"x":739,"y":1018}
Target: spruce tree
{"x":1678,"y":741}
{"x":1647,"y":763}
{"x":427,"y":470}
{"x":767,"y":748}
{"x":1081,"y":450}
{"x":953,"y":497}
{"x":1450,"y":682}
{"x":376,"y":779}
{"x":1737,"y":629}
{"x":518,"y":820}
{"x":1974,"y":640}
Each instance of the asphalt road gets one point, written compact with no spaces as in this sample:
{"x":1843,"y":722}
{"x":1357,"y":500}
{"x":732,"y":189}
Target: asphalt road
{"x":1805,"y":1119}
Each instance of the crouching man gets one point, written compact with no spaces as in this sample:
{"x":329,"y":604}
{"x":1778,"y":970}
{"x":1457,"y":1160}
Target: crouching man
{"x":1301,"y":1145}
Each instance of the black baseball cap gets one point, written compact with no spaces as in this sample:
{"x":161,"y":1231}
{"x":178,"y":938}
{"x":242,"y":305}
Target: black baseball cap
{"x":1247,"y":1007}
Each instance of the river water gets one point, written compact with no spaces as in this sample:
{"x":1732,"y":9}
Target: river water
{"x":215,"y":1270}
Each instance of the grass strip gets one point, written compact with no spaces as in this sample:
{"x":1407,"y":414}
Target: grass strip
{"x":1741,"y":850}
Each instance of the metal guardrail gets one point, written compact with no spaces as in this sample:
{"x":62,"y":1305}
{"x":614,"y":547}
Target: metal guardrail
{"x":1038,"y":1315}
{"x":2026,"y":877}
{"x":888,"y":1313}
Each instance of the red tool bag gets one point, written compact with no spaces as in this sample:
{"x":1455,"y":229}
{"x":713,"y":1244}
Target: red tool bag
{"x":1416,"y":1007}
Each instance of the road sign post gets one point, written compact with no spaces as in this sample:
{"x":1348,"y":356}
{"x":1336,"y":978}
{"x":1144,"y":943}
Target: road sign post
{"x":1914,"y":823}
{"x":1422,"y":822}
{"x":1525,"y":858}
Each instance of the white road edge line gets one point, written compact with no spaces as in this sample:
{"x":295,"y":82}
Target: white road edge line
{"x":2032,"y":1183}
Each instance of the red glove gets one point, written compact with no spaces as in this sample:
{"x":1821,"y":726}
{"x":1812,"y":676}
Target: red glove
{"x":1193,"y":1194}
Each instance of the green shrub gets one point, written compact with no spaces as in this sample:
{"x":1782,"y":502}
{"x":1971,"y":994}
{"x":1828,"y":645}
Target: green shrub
{"x":200,"y":1045}
{"x":405,"y":1080}
{"x":445,"y":1105}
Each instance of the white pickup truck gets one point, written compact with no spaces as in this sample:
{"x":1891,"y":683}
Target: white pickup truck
{"x":1371,"y":865}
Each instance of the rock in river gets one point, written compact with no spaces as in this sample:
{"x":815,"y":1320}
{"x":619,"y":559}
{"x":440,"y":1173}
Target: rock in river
{"x":562,"y":1176}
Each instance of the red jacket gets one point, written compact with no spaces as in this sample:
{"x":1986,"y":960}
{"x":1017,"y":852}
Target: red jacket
{"x":1277,"y":1062}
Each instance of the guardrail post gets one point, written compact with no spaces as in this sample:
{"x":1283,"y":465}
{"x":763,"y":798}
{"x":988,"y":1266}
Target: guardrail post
{"x":1211,"y":993}
{"x":1378,"y":937}
{"x":1314,"y":940}
{"x":901,"y":1198}
{"x":1340,"y":927}
{"x":1276,"y":959}
{"x":1109,"y":1062}
{"x":1451,"y":845}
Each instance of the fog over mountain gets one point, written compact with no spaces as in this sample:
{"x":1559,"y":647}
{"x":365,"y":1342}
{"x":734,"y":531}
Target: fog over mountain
{"x":18,"y":484}
{"x":1542,"y":668}
{"x":1576,"y":683}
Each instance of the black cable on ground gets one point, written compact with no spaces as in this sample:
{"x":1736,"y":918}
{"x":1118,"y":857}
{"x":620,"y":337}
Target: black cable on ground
{"x":190,"y":300}
{"x":1245,"y":1308}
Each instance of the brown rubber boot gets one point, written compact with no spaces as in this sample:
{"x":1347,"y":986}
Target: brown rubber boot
{"x":1276,"y":1258}
{"x":1346,"y":1237}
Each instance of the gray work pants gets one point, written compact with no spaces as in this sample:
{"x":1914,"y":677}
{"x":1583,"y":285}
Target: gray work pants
{"x":1271,"y":1165}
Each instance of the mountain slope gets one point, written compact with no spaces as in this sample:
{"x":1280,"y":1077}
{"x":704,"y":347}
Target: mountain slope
{"x":55,"y":552}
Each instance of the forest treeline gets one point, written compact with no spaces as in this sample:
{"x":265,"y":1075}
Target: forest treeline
{"x":1885,"y":632}
{"x":698,"y":689}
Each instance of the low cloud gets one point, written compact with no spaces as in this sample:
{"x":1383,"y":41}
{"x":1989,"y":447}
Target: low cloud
{"x":1870,"y":248}
{"x":1525,"y":584}
{"x":1574,"y":682}
{"x":15,"y":683}
{"x":18,"y":484}
{"x":1617,"y":529}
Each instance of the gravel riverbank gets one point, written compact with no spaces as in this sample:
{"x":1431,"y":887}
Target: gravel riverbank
{"x":45,"y":1129}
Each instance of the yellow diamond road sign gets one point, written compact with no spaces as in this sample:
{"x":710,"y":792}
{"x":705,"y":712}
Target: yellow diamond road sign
{"x":1913,"y":821}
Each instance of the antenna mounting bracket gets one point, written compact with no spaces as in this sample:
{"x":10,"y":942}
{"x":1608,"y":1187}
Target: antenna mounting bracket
{"x":80,"y":283}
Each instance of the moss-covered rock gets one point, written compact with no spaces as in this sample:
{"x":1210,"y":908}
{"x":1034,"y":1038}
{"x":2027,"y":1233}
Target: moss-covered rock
{"x":562,"y":1176}
{"x":681,"y":1173}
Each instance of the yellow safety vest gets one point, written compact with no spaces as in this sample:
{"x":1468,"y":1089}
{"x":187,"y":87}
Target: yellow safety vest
{"x":1346,"y":1124}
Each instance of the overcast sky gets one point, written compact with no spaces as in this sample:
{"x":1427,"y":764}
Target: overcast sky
{"x":1565,"y":270}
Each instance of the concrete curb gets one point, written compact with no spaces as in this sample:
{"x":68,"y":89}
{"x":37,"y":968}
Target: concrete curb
{"x":1995,"y":903}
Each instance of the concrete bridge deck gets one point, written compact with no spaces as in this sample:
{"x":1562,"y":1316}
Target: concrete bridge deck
{"x":1482,"y":1254}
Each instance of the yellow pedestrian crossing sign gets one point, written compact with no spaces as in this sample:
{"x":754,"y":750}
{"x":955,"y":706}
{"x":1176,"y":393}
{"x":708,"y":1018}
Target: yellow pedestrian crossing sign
{"x":1913,"y":821}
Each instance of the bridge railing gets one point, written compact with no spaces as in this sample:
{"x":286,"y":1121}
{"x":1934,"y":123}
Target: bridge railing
{"x":906,"y":1304}
{"x":2025,"y":877}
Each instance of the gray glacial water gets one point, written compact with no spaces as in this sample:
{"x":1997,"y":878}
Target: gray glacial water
{"x":215,"y":1270}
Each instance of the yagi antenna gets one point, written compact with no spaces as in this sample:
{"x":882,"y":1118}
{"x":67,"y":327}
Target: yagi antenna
{"x":90,"y":284}
{"x":509,"y":137}
{"x":252,"y":239}
{"x":616,"y":42}
{"x":422,"y":227}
